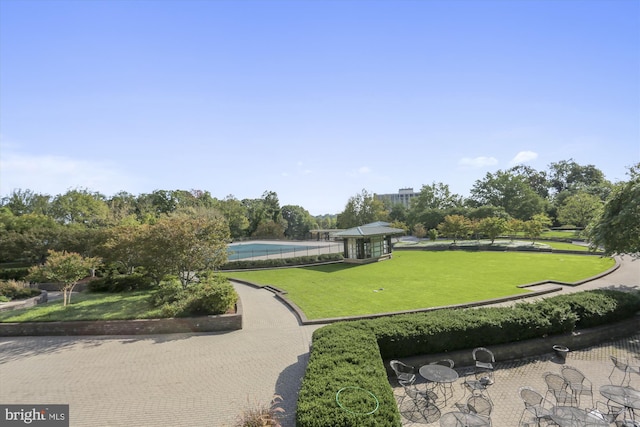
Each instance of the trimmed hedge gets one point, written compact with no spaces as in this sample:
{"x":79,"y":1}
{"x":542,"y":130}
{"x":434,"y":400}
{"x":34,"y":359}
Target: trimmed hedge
{"x":352,"y":353}
{"x":345,"y":355}
{"x":281,"y":262}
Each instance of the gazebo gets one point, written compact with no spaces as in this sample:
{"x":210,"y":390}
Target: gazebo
{"x":368,"y":243}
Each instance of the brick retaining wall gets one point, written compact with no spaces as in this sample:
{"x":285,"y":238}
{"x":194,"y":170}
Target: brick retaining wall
{"x":223,"y":322}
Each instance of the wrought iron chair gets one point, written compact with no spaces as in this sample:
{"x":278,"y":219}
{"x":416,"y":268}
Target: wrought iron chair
{"x":423,"y":407}
{"x":623,"y":365}
{"x":477,"y":387}
{"x":484,"y":361}
{"x":478,"y":405}
{"x":558,"y":387}
{"x":405,"y":374}
{"x":534,"y":403}
{"x":578,"y":383}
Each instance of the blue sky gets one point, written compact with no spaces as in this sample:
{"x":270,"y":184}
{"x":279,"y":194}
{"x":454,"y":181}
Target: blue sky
{"x":313,"y":99}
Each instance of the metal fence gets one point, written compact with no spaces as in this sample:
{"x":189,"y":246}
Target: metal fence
{"x":264,"y":251}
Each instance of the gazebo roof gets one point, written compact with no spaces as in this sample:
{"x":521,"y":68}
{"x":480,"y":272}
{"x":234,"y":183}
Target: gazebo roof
{"x":373,"y":229}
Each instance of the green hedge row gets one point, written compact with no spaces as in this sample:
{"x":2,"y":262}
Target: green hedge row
{"x":352,"y":353}
{"x":281,"y":262}
{"x":345,"y":355}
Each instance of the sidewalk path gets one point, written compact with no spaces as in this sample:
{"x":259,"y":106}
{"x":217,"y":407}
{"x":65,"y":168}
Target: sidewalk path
{"x":178,"y":380}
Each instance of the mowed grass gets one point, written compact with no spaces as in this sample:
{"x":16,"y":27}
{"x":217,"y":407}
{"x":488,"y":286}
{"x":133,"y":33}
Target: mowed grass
{"x":413,"y":280}
{"x":88,"y":306}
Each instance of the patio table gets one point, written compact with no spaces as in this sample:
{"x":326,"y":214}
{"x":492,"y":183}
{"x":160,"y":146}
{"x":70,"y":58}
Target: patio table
{"x":440,"y":375}
{"x":463,"y":419}
{"x":570,"y":416}
{"x":626,"y":396}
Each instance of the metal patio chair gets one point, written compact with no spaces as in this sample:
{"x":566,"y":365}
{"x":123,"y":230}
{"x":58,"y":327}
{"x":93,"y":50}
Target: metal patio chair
{"x":534,"y":403}
{"x":558,"y":387}
{"x":405,"y":374}
{"x":578,"y":383}
{"x":623,"y":366}
{"x":484,"y":361}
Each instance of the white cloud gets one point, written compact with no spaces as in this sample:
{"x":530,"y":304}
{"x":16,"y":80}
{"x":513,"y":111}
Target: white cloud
{"x":523,"y":157}
{"x":363,"y":170}
{"x":477,"y":162}
{"x":56,"y":174}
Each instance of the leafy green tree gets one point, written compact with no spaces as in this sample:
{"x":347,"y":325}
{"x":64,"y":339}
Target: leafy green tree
{"x":455,"y":227}
{"x":184,"y":245}
{"x":514,"y":226}
{"x":579,"y":209}
{"x":299,"y":221}
{"x":269,"y":230}
{"x":537,"y":180}
{"x":617,"y":229}
{"x":235,"y":212}
{"x":400,"y":225}
{"x":492,"y":227}
{"x":22,"y":202}
{"x":435,"y":196}
{"x":122,"y":246}
{"x":66,"y":268}
{"x":511,"y":192}
{"x":361,"y":209}
{"x":80,"y":206}
{"x":398,"y":212}
{"x":569,"y":175}
{"x":419,"y":231}
{"x":535,"y":226}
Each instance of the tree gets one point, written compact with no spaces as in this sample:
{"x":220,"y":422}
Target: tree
{"x":435,"y":196}
{"x":184,"y":244}
{"x":579,"y":209}
{"x":361,"y":209}
{"x":455,"y":226}
{"x":298,"y":220}
{"x":66,"y":268}
{"x":419,"y":231}
{"x":509,"y":191}
{"x":122,"y":246}
{"x":235,"y":213}
{"x":492,"y":227}
{"x":535,"y":226}
{"x":22,"y":202}
{"x":514,"y":226}
{"x":537,"y":180}
{"x":617,"y":229}
{"x":269,"y":230}
{"x":80,"y":206}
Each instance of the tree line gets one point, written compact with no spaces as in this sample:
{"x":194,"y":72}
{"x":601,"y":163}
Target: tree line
{"x":88,"y":223}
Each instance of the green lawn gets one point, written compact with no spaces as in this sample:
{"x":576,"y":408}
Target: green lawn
{"x":88,"y":306}
{"x":413,"y":280}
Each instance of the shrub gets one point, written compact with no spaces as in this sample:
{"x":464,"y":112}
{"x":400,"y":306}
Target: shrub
{"x":345,"y":355}
{"x":281,"y":262}
{"x":121,"y":283}
{"x":14,"y":273}
{"x":261,"y":415}
{"x":211,"y":296}
{"x":12,"y":290}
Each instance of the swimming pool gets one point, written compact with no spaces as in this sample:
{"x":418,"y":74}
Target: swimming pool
{"x":238,"y":251}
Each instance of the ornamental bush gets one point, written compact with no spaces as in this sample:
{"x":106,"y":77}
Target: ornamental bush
{"x":210,"y":296}
{"x":12,"y":289}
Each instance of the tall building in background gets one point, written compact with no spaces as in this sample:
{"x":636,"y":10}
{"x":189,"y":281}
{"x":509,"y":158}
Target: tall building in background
{"x":403,"y":197}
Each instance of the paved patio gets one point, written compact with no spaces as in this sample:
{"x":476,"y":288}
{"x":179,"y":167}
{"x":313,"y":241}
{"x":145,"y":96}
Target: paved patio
{"x":509,"y":376}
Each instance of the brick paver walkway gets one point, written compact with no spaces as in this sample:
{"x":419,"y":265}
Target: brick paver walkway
{"x":208,"y":379}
